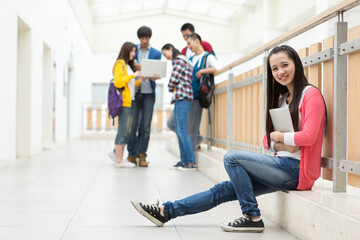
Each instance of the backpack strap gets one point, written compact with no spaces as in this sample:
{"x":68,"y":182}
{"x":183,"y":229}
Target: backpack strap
{"x":204,"y":60}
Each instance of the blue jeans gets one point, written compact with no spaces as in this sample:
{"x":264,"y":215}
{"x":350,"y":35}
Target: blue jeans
{"x":181,"y":112}
{"x":124,"y":126}
{"x":193,"y":123}
{"x":251,"y":174}
{"x":141,"y":125}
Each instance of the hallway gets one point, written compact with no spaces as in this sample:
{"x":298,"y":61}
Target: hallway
{"x":74,"y":192}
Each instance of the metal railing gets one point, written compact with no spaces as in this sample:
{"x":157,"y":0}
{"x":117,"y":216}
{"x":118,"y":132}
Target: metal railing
{"x":338,"y":54}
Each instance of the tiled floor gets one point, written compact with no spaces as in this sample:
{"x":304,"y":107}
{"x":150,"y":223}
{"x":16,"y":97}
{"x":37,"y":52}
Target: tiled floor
{"x":73,"y":192}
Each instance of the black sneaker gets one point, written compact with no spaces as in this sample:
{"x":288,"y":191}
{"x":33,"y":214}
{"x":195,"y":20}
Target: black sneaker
{"x":150,"y":211}
{"x":176,"y":166}
{"x":187,"y":167}
{"x":244,"y":224}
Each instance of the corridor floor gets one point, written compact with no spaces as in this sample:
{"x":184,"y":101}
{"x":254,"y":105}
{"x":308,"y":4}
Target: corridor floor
{"x":73,"y":192}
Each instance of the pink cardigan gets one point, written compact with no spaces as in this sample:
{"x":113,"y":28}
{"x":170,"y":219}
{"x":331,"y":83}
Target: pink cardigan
{"x":310,"y":138}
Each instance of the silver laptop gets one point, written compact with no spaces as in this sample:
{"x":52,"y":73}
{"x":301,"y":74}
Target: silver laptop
{"x":150,"y":67}
{"x":281,"y":119}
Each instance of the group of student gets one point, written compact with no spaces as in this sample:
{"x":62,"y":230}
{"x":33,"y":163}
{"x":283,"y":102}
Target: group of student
{"x":139,"y":96}
{"x":295,"y":164}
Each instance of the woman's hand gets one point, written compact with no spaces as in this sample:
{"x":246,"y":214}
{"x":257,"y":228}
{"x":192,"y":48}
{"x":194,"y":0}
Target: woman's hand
{"x":277,"y":136}
{"x":292,"y":149}
{"x":137,"y":74}
{"x":282,"y":147}
{"x":141,"y":79}
{"x":155,"y":77}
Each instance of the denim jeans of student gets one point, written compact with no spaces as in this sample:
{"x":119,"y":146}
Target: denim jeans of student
{"x":181,"y":112}
{"x":141,"y":125}
{"x":124,"y":124}
{"x":251,"y":174}
{"x":193,"y":123}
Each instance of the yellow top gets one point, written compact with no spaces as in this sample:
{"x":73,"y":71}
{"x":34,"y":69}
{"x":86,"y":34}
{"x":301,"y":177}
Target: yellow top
{"x":121,"y":80}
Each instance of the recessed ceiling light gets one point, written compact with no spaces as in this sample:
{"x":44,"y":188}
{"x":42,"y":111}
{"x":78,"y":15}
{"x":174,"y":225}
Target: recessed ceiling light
{"x":155,"y":4}
{"x":198,"y":8}
{"x":178,"y":4}
{"x":130,"y":7}
{"x":224,"y":13}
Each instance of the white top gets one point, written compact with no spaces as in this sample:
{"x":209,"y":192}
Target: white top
{"x":131,"y":84}
{"x":288,"y":137}
{"x":210,"y":62}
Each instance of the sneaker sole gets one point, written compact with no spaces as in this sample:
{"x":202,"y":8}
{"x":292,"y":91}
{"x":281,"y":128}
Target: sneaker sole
{"x":186,"y":169}
{"x":124,"y":166}
{"x":145,"y":214}
{"x":242,"y":229}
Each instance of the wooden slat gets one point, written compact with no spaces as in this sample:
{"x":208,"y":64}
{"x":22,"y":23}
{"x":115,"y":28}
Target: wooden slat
{"x":307,"y":25}
{"x":255,"y":108}
{"x":159,"y":119}
{"x":328,"y":93}
{"x":248,"y":106}
{"x":304,"y":52}
{"x":108,"y":120}
{"x":260,"y":123}
{"x":243,"y":111}
{"x":89,"y":118}
{"x":315,"y":70}
{"x":353,"y":107}
{"x":236,"y":112}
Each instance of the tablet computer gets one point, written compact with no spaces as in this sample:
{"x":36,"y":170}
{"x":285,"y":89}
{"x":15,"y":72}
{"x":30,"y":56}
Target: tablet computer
{"x":151,"y":67}
{"x":281,"y":119}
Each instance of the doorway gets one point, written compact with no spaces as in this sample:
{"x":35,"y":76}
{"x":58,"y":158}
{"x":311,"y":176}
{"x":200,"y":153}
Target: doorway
{"x":23,"y":91}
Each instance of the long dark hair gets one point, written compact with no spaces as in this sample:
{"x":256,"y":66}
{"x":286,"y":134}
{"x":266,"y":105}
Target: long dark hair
{"x":275,"y":89}
{"x":124,"y":53}
{"x":169,"y":46}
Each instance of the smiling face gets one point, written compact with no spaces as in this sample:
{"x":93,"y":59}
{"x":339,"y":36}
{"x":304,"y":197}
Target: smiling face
{"x":168,"y":54}
{"x":191,"y":44}
{"x":132,"y":54}
{"x":283,"y":69}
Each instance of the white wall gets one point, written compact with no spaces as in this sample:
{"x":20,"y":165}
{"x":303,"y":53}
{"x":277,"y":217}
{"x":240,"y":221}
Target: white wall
{"x":8,"y":62}
{"x":54,"y":23}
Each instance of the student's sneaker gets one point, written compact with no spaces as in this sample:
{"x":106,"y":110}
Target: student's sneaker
{"x":124,"y":164}
{"x":112,"y":156}
{"x":187,"y":167}
{"x":244,"y":224}
{"x":150,"y":211}
{"x":176,"y":166}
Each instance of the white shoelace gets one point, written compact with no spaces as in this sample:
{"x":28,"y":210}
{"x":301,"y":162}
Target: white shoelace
{"x":240,"y":220}
{"x":153,"y":206}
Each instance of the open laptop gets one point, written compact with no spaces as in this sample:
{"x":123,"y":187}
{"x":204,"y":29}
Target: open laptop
{"x":281,"y":119}
{"x":151,"y":67}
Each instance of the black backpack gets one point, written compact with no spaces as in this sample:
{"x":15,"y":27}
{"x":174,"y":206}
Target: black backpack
{"x":207,"y":86}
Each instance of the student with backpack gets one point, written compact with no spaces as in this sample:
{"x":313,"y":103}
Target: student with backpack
{"x":204,"y":63}
{"x":124,"y":79}
{"x":180,"y":85}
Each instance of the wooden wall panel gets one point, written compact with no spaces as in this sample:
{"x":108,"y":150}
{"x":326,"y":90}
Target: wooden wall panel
{"x":248,"y":106}
{"x":261,"y":106}
{"x":328,"y":93}
{"x":315,"y":70}
{"x":243,"y":111}
{"x":255,"y":109}
{"x":304,"y":53}
{"x":353,"y":107}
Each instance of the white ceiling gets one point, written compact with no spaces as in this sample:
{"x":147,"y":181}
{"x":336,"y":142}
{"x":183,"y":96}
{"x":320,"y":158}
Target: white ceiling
{"x":213,"y":11}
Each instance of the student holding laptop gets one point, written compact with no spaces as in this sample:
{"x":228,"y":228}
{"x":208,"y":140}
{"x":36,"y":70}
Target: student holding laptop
{"x":295,"y":166}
